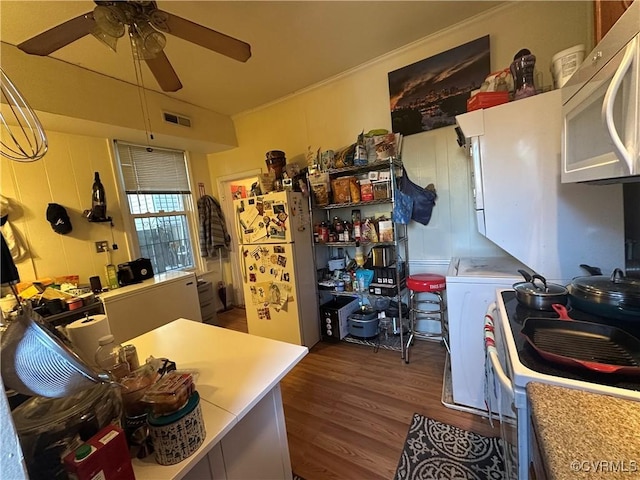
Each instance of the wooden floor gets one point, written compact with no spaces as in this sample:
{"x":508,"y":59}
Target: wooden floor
{"x":348,"y":408}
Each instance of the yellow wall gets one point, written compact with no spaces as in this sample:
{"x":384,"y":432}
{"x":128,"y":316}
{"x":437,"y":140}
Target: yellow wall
{"x":73,"y":99}
{"x":327,"y":116}
{"x":65,"y":176}
{"x":331,"y":115}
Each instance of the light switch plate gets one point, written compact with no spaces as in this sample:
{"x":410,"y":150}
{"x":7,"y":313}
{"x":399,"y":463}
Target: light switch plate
{"x":102,"y":246}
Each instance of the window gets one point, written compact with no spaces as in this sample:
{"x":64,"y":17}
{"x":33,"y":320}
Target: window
{"x":159,"y":197}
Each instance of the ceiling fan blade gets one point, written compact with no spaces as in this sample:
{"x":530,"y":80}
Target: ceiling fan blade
{"x":59,"y":36}
{"x":164,"y":73}
{"x":207,"y":38}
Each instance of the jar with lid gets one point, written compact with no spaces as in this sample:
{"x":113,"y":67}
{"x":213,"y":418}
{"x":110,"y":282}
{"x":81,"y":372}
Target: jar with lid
{"x":110,"y":356}
{"x":324,"y":232}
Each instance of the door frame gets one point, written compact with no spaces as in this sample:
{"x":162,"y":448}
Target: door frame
{"x":226,"y":203}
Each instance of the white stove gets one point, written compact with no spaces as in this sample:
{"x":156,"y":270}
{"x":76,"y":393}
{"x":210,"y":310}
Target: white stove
{"x":515,"y":363}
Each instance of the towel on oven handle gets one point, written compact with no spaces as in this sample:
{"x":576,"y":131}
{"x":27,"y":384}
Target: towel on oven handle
{"x":489,"y":376}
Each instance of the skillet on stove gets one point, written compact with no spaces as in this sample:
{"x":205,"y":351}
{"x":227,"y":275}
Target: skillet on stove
{"x":594,"y":346}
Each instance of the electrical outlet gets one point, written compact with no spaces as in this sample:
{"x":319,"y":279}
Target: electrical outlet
{"x":102,"y":246}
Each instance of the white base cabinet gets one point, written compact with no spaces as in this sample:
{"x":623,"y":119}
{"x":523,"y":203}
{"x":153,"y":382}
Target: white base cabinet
{"x":137,"y":309}
{"x":256,"y":447}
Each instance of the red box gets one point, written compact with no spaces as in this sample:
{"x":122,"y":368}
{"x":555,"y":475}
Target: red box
{"x":108,"y":458}
{"x":486,"y":100}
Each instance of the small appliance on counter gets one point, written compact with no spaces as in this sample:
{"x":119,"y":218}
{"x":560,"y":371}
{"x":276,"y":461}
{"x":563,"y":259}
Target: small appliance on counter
{"x":134,"y":271}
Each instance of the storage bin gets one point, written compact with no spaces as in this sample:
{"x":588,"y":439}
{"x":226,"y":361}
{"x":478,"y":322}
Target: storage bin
{"x":177,"y":436}
{"x":380,"y":190}
{"x":486,"y":100}
{"x":565,"y":63}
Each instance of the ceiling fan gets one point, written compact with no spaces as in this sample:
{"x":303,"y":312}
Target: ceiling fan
{"x":146,"y":25}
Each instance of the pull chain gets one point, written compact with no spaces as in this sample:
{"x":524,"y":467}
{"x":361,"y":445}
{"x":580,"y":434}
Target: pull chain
{"x":142,"y":95}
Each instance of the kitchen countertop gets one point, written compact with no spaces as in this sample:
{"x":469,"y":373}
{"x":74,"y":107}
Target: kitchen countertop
{"x":157,"y":279}
{"x":235,"y":371}
{"x":585,"y":435}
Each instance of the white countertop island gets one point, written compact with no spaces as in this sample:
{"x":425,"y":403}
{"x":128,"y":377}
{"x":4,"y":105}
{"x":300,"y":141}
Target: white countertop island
{"x":238,"y":383}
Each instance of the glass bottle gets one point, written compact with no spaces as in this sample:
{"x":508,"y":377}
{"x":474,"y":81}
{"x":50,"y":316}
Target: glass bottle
{"x":522,"y":70}
{"x":346,"y":231}
{"x":110,"y":357}
{"x":324,"y":232}
{"x":355,"y":219}
{"x":98,"y":199}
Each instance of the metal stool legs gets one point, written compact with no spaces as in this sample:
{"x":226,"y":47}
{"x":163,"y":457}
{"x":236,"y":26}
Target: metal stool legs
{"x":418,"y":312}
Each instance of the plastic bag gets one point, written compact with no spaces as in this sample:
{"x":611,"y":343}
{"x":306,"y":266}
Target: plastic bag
{"x":402,"y":208}
{"x":424,"y":199}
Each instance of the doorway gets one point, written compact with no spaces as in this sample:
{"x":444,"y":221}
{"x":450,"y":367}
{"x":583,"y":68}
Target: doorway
{"x":230,"y":187}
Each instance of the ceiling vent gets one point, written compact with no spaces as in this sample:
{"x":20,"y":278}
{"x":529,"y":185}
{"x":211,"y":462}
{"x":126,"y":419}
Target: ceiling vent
{"x":176,"y":119}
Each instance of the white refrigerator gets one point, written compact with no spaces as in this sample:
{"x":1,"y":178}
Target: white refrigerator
{"x":278,"y":272}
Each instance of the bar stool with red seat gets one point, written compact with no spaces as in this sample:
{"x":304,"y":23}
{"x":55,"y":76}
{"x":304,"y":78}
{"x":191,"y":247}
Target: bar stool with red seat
{"x":427,"y":289}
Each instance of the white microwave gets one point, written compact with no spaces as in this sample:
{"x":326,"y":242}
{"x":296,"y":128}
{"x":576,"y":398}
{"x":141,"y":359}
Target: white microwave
{"x":601,"y":109}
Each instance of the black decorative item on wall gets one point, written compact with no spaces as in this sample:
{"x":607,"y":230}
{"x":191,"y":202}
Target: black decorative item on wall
{"x":59,"y":219}
{"x":98,"y":211}
{"x":429,"y":94}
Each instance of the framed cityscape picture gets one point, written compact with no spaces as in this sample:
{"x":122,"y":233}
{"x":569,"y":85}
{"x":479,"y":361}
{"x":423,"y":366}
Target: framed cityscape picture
{"x":429,"y":94}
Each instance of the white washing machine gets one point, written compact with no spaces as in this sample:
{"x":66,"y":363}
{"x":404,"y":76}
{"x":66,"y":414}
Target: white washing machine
{"x":471,"y":286}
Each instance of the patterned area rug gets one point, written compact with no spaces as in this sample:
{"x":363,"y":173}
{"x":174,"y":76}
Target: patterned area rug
{"x":437,"y":451}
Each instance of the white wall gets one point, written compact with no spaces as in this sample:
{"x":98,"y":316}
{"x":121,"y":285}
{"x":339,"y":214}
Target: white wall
{"x":330,"y":116}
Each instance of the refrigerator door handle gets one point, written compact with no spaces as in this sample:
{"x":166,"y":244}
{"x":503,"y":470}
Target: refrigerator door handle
{"x":244,"y":264}
{"x":239,"y":229}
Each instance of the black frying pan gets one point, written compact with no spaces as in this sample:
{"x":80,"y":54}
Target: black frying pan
{"x":597,"y":347}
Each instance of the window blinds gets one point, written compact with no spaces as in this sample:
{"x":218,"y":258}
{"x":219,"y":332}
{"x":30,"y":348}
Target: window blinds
{"x":156,"y":170}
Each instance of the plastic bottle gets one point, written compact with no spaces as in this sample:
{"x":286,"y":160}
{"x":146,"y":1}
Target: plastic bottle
{"x":98,"y":200}
{"x":110,"y":357}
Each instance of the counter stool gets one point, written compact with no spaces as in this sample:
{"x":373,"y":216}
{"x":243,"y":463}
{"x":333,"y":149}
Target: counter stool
{"x":427,"y":289}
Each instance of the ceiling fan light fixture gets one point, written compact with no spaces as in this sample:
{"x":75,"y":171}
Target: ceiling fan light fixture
{"x":105,"y":38}
{"x":110,"y":20}
{"x":150,"y":40}
{"x":159,"y":19}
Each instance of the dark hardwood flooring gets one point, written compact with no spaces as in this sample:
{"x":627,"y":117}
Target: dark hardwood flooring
{"x":348,"y":408}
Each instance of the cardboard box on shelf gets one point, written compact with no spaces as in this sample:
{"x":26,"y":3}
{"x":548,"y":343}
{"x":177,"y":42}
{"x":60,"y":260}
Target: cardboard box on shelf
{"x":385,"y":230}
